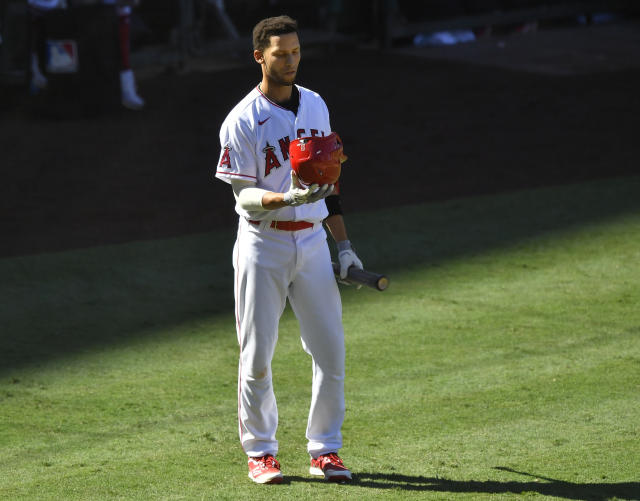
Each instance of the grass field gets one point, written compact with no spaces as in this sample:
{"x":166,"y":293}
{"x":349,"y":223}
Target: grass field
{"x":502,"y":363}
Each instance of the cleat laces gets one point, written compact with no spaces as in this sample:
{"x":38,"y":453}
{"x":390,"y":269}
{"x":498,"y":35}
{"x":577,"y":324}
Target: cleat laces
{"x":269,"y":462}
{"x":333,"y":459}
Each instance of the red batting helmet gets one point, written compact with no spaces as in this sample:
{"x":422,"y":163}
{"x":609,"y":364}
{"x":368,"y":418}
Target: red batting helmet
{"x":317,"y":159}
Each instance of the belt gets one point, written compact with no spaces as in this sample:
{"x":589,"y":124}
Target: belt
{"x":287,"y":225}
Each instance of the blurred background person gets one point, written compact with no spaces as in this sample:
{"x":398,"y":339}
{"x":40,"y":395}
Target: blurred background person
{"x":38,"y":9}
{"x":128,"y":89}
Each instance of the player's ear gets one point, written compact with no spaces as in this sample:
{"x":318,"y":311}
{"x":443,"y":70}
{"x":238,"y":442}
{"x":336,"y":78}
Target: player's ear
{"x":258,"y":55}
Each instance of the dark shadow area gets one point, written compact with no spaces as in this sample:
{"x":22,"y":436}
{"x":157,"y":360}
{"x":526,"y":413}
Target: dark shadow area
{"x":62,"y":305}
{"x":546,"y":487}
{"x":468,"y":227}
{"x":415,"y":130}
{"x":542,"y":485}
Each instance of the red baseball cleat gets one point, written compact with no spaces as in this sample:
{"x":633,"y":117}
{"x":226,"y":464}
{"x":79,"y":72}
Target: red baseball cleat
{"x":330,"y":467}
{"x":265,"y":470}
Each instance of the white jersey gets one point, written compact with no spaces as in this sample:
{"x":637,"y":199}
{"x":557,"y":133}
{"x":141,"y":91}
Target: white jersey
{"x":255,"y":139}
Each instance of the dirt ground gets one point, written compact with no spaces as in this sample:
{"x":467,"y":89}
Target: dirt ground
{"x":418,"y":126}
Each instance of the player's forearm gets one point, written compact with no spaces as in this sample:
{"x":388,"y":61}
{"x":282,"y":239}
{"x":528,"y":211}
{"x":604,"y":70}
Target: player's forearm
{"x":337,"y":228}
{"x":251,"y":198}
{"x":273,"y":201}
{"x":258,"y":199}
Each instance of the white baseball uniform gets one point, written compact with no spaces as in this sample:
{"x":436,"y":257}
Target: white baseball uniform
{"x":273,"y":264}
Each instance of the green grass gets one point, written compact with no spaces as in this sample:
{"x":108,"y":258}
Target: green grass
{"x":503,"y":362}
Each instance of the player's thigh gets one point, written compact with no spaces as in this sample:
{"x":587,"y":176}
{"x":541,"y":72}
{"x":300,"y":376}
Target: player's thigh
{"x":261,"y":292}
{"x":315,"y":300}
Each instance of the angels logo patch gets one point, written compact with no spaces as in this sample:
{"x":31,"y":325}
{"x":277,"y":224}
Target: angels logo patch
{"x":225,"y":161}
{"x":270,"y":160}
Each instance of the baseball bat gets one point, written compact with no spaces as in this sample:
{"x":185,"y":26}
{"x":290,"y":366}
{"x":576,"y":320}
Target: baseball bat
{"x":357,"y":276}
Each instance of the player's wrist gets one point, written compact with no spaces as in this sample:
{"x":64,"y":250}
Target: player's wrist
{"x":344,"y":245}
{"x":287,"y":198}
{"x":272,"y":201}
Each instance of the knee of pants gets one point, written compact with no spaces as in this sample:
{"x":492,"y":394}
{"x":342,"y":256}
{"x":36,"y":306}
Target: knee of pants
{"x":255,"y":364}
{"x":256,"y":373}
{"x":255,"y":367}
{"x":328,"y":357}
{"x":333,"y":372}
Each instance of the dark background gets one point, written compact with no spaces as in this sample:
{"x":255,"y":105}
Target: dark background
{"x":536,"y":101}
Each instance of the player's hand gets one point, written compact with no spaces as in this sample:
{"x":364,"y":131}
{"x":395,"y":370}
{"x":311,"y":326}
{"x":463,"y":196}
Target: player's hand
{"x":297,"y":195}
{"x":347,"y":258}
{"x":324,"y":191}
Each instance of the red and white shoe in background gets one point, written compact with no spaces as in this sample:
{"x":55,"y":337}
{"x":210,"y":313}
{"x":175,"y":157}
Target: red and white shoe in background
{"x":331,"y":467}
{"x":265,"y":470}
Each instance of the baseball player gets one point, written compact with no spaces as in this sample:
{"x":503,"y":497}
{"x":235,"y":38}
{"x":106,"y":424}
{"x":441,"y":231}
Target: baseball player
{"x":281,"y":253}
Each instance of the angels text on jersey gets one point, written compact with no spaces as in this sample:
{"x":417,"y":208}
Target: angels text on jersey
{"x":274,"y":156}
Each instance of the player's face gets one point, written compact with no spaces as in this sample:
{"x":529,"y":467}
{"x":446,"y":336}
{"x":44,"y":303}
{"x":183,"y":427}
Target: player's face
{"x":281,"y":59}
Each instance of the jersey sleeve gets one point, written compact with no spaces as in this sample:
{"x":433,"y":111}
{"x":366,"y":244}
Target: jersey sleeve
{"x":237,"y":155}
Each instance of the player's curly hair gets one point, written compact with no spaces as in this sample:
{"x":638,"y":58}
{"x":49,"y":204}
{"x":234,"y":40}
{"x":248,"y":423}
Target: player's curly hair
{"x":272,"y":26}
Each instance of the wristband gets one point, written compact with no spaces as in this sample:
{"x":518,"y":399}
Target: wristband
{"x":343,"y":245}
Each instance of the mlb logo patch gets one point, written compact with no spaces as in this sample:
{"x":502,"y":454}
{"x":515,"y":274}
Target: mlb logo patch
{"x":62,"y":56}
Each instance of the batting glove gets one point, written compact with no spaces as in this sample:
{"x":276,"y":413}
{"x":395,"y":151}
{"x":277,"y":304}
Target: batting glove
{"x":297,"y":195}
{"x":347,"y":258}
{"x":324,"y":191}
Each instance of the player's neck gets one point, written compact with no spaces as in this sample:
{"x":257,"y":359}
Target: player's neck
{"x":275,"y":92}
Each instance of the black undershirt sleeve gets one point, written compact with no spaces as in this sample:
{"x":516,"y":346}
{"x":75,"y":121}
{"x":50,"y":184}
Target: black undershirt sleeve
{"x":334,"y":206}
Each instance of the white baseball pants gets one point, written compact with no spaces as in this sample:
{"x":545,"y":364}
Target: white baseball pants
{"x":271,"y":266}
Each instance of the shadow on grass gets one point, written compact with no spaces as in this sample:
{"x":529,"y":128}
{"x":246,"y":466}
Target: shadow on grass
{"x":87,"y":300}
{"x":52,"y":305}
{"x":466,"y":227}
{"x":545,"y":486}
